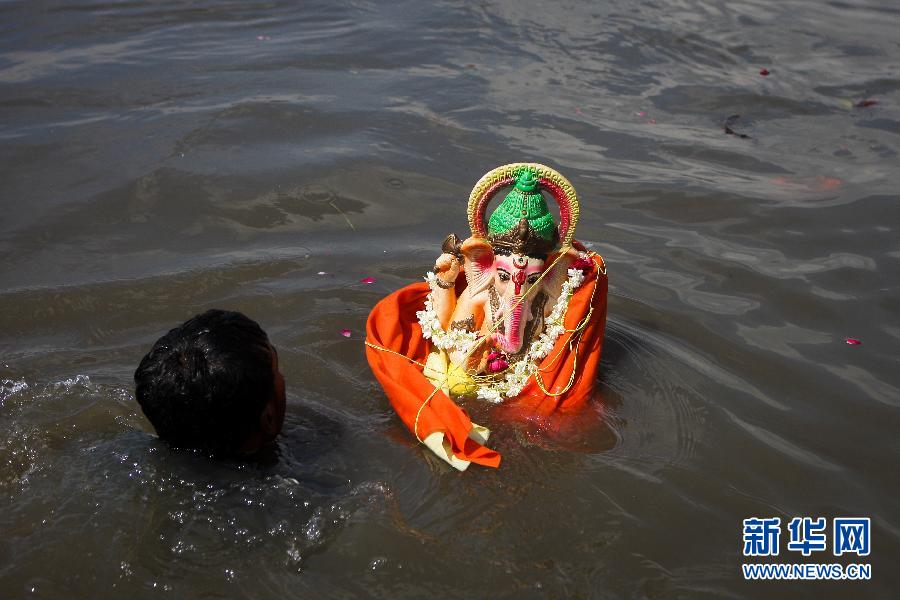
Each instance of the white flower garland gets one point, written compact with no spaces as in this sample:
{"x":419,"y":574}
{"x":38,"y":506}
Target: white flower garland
{"x":519,"y":372}
{"x":455,"y":339}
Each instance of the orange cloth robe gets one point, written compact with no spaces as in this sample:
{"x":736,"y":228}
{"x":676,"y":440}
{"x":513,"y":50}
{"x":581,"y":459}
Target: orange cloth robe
{"x":393,"y":326}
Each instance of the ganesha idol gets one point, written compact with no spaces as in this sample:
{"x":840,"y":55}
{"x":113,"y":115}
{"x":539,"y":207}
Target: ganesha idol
{"x":513,"y":315}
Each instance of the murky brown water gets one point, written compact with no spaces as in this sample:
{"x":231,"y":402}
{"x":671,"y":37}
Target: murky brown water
{"x":162,"y":158}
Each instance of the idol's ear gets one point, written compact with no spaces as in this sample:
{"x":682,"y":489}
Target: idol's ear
{"x":559,"y":272}
{"x":478,"y":263}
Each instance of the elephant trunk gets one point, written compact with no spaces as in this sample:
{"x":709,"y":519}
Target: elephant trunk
{"x":511,"y":342}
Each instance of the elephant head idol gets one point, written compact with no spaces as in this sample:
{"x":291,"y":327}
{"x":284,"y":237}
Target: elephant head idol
{"x":491,"y":327}
{"x":514,"y":315}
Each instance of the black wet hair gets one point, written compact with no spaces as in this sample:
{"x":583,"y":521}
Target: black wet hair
{"x":205,"y":383}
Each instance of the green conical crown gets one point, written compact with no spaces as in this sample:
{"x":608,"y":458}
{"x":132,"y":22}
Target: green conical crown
{"x":524,"y":200}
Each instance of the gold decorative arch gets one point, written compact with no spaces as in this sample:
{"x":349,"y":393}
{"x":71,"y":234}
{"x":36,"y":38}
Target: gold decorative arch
{"x":551,"y":180}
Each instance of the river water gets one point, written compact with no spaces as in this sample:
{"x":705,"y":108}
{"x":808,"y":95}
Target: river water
{"x":162,"y":158}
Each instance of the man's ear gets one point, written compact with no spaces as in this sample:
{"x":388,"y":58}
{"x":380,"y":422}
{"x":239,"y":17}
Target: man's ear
{"x":267,"y":429}
{"x":268,"y":420}
{"x":271,"y":420}
{"x":478,"y":263}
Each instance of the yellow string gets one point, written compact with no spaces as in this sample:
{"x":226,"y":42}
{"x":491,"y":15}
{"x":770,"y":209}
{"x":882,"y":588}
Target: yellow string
{"x":572,"y":343}
{"x":497,"y":323}
{"x":383,"y":349}
{"x":430,"y":396}
{"x":421,"y":408}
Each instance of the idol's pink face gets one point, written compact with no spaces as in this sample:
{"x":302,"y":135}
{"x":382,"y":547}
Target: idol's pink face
{"x":515,"y":279}
{"x":516,"y":274}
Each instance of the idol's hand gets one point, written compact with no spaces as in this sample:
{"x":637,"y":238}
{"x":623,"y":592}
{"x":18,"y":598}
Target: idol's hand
{"x":447,"y":268}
